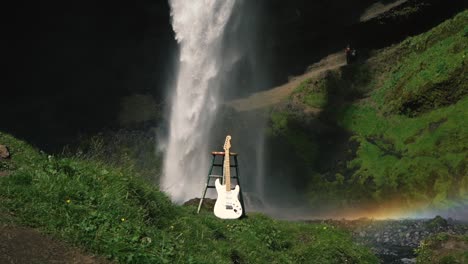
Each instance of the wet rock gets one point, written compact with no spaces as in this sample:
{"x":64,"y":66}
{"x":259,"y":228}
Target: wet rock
{"x":208,"y":203}
{"x":437,"y":223}
{"x":408,"y":260}
{"x":4,"y":152}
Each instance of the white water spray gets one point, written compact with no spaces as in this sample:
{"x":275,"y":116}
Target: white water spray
{"x":199,"y":27}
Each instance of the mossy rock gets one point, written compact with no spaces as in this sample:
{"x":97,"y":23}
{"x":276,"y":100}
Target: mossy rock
{"x":437,"y":222}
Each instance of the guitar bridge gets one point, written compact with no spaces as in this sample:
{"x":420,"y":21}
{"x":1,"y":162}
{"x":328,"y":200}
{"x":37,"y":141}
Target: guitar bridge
{"x":229,"y":207}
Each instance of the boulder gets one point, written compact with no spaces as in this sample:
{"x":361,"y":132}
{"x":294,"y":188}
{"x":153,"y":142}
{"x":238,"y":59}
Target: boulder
{"x":438,"y":223}
{"x":208,"y":203}
{"x":4,"y":152}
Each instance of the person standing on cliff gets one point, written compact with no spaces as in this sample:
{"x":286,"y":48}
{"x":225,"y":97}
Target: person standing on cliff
{"x":351,"y":54}
{"x":348,"y":54}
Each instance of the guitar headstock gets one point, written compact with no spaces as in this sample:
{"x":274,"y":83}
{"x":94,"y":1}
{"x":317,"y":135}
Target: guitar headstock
{"x":227,"y":143}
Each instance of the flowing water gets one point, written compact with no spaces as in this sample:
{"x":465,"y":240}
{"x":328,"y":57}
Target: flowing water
{"x":199,"y":26}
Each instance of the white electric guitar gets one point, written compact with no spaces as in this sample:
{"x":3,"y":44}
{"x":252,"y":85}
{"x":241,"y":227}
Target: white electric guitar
{"x":227,"y":205}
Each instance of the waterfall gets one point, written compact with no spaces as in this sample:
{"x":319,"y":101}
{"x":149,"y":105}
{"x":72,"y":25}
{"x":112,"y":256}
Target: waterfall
{"x":199,"y":26}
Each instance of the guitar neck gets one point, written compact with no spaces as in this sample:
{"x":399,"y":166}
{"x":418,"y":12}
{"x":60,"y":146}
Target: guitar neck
{"x":227,"y":170}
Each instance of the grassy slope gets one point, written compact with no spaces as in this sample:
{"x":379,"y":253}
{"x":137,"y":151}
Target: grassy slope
{"x":406,"y":109}
{"x":110,"y":211}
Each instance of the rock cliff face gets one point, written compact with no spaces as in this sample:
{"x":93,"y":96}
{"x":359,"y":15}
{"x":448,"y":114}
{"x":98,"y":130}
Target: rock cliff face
{"x":385,"y":121}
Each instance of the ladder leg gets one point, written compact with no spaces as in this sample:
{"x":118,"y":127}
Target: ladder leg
{"x":206,"y":185}
{"x":201,"y":199}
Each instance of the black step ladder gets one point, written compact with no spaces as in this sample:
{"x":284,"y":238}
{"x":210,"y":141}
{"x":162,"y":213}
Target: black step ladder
{"x":210,"y":182}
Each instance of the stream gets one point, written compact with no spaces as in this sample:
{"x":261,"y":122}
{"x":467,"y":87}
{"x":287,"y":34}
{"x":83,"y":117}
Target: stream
{"x":394,"y":241}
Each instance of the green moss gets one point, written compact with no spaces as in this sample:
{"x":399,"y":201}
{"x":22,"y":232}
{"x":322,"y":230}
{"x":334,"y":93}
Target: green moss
{"x":311,"y":94}
{"x":432,"y":74}
{"x":316,"y":100}
{"x":424,"y":156}
{"x":279,"y":122}
{"x":411,"y":155}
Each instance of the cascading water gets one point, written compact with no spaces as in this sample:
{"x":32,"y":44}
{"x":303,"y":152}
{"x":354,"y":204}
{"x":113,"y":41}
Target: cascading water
{"x":199,"y":26}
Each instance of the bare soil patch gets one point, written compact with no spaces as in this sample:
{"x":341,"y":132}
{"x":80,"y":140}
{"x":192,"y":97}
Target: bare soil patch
{"x":20,"y":245}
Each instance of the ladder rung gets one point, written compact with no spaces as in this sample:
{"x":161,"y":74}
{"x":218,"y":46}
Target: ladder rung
{"x":219,"y":177}
{"x":212,"y":187}
{"x":221,"y":165}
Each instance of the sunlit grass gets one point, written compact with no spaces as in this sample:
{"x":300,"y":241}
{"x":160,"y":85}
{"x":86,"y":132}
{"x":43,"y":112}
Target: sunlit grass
{"x":111,"y":211}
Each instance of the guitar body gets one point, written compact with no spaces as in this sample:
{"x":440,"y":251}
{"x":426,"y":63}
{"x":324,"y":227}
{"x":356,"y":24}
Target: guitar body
{"x":227,"y":205}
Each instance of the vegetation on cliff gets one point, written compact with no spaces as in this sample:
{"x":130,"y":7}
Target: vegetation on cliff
{"x":400,"y":122}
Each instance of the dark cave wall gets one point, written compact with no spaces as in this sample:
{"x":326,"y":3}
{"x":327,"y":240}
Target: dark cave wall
{"x":70,"y":64}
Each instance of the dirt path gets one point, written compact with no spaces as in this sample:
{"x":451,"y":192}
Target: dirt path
{"x":273,"y":96}
{"x":21,"y":245}
{"x":378,"y":8}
